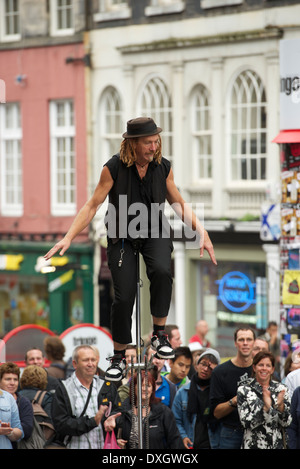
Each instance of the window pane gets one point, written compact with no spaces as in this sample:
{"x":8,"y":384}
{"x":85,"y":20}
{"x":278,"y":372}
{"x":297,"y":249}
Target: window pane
{"x":253,"y":169}
{"x":64,"y":14}
{"x":201,"y":132}
{"x":11,"y":160}
{"x":234,"y":144}
{"x":234,"y":169}
{"x":10,"y":116}
{"x":156,"y":103}
{"x":111,"y":122}
{"x":248,"y":126}
{"x":63,"y":155}
{"x":263,"y":168}
{"x":11,"y":14}
{"x":60,"y":114}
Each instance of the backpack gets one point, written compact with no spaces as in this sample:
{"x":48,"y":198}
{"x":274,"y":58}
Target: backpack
{"x":69,"y":369}
{"x":43,"y":429}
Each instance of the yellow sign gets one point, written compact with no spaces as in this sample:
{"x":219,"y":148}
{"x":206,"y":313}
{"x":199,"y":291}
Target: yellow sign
{"x":59,"y":281}
{"x":59,"y":260}
{"x":10,"y":261}
{"x":291,"y":287}
{"x":55,"y":261}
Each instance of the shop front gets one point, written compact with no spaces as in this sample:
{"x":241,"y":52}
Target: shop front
{"x":289,"y":140}
{"x":232,"y":294}
{"x":235,"y":296}
{"x":55,"y":298}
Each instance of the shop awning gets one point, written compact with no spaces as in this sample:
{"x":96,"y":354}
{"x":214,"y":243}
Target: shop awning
{"x":288,"y":136}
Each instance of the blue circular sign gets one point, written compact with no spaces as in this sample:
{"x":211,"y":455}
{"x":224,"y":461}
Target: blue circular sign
{"x":236,"y":291}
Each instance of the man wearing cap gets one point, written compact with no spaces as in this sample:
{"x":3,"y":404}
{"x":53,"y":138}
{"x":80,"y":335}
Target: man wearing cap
{"x":191,"y":405}
{"x":137,"y":181}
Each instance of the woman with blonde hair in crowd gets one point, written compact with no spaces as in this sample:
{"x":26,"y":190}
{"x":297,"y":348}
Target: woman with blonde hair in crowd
{"x":34,"y":378}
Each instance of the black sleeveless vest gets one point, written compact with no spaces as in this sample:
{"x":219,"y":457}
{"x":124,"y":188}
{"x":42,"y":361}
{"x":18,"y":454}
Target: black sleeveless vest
{"x":120,"y":196}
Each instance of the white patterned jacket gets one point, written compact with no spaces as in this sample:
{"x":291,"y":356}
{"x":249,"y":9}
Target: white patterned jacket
{"x":262,"y":430}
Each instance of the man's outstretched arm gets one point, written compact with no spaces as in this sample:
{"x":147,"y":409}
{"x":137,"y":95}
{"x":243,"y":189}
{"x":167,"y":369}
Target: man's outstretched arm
{"x":85,"y":214}
{"x":184,"y":211}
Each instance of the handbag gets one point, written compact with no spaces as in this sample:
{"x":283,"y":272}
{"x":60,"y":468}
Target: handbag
{"x":110,"y":441}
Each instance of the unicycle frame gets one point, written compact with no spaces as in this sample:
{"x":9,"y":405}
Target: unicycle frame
{"x":139,"y":365}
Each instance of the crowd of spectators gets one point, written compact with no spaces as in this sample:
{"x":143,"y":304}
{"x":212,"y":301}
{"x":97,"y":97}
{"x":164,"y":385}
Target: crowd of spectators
{"x":196,"y":400}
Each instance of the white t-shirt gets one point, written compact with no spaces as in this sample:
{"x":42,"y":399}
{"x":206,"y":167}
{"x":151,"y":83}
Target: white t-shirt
{"x":292,"y":380}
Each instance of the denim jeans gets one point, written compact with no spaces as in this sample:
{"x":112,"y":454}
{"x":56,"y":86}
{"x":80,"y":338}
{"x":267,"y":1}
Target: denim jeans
{"x":214,"y":437}
{"x":227,"y":438}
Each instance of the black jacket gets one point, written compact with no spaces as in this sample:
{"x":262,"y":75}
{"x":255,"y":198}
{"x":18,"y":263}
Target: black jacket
{"x":66,"y":424}
{"x":163,"y":431}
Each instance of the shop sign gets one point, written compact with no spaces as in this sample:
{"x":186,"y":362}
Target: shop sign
{"x":270,"y":222}
{"x":10,"y":261}
{"x":289,"y":84}
{"x":236,"y":291}
{"x":236,"y":317}
{"x":60,"y":281}
{"x":46,"y":266}
{"x":291,"y":287}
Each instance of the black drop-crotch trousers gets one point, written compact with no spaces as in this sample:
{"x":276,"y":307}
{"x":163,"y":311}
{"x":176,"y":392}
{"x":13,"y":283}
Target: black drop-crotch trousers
{"x":156,"y":253}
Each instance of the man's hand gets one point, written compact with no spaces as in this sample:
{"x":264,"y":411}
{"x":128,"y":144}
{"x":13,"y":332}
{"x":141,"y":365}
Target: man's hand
{"x":187,"y":443}
{"x":110,"y":422}
{"x":61,"y":246}
{"x":208,"y":246}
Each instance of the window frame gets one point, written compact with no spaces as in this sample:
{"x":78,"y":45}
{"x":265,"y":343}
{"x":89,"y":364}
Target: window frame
{"x":248,"y":131}
{"x":202,"y":92}
{"x":164,"y":7}
{"x":54,"y":28}
{"x":162,"y":115}
{"x":11,"y":208}
{"x":4,"y":36}
{"x":107,"y":11}
{"x":208,"y":4}
{"x":68,"y":133}
{"x":111,"y":120}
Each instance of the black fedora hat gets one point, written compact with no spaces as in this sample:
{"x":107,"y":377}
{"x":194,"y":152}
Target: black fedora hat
{"x":141,"y":127}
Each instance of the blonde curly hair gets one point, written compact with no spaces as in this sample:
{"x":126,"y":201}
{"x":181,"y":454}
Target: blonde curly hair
{"x":34,"y":376}
{"x":128,"y":154}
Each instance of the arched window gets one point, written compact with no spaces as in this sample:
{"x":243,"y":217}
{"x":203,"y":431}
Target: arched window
{"x":111,"y":123}
{"x":248,"y":123}
{"x":201,"y":133}
{"x":156,"y":103}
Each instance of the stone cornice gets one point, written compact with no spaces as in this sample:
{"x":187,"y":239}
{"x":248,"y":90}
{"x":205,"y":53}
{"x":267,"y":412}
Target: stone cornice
{"x":202,"y":41}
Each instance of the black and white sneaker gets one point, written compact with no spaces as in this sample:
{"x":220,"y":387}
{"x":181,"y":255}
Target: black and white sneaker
{"x":162,"y":346}
{"x":116,"y":371}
